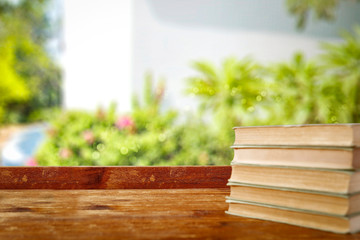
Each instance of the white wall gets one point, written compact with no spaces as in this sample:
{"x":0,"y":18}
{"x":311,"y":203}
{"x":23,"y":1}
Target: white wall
{"x":97,"y":57}
{"x":110,"y":44}
{"x":170,"y":34}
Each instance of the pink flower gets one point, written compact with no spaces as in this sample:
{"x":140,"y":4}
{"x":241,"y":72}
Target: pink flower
{"x":88,"y":136}
{"x":125,"y":122}
{"x":31,"y":162}
{"x":65,"y":153}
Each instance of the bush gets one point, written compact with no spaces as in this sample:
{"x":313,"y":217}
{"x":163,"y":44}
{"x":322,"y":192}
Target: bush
{"x":239,"y":93}
{"x":147,"y":136}
{"x":30,"y":78}
{"x":13,"y":88}
{"x":245,"y":93}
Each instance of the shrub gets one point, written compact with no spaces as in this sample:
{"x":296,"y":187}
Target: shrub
{"x":13,"y":88}
{"x":146,"y":136}
{"x":30,"y":78}
{"x":239,"y":93}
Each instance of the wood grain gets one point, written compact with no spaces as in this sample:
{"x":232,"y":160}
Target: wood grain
{"x":135,"y":214}
{"x":114,"y":177}
{"x":129,"y":203}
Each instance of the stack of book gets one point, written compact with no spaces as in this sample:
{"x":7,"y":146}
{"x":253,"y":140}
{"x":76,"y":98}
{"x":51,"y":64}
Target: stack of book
{"x":304,"y":175}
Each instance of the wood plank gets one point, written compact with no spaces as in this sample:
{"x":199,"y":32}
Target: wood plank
{"x":114,"y":177}
{"x":135,"y":214}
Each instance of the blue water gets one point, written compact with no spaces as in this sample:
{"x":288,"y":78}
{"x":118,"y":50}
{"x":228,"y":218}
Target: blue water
{"x":31,"y":140}
{"x":23,"y":146}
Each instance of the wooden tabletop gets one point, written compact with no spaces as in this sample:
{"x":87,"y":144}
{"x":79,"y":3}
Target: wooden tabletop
{"x":173,"y":211}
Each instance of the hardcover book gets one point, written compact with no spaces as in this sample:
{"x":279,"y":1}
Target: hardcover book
{"x":298,"y":156}
{"x":335,"y":204}
{"x":326,"y":222}
{"x":321,"y":180}
{"x":346,"y":135}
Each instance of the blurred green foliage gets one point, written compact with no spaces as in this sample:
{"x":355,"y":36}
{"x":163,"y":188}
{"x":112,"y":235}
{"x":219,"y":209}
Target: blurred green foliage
{"x":238,"y":93}
{"x":340,"y":64}
{"x":295,"y":92}
{"x":12,"y":87}
{"x":230,"y":95}
{"x":146,"y":136}
{"x":324,"y":10}
{"x":245,"y":93}
{"x":26,"y":68}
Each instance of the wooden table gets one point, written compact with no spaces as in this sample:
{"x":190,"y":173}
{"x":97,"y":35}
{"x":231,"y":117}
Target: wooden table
{"x":129,"y":203}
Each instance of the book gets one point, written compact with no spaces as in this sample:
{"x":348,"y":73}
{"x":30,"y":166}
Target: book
{"x":335,"y":204}
{"x":296,"y":156}
{"x":321,"y":180}
{"x":332,"y":223}
{"x":347,"y":135}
